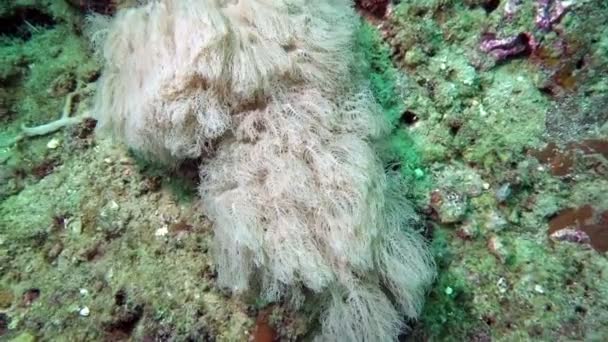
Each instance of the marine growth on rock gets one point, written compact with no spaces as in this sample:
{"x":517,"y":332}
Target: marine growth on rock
{"x":298,"y":197}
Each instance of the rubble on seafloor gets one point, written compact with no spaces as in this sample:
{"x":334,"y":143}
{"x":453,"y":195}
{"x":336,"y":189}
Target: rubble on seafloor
{"x":511,"y":122}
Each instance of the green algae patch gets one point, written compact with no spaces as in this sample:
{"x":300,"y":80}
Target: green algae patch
{"x":382,"y":74}
{"x":398,"y":150}
{"x":506,"y":121}
{"x":448,"y":311}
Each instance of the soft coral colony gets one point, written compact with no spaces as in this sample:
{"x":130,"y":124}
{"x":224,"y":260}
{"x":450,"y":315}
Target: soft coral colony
{"x":263,"y":93}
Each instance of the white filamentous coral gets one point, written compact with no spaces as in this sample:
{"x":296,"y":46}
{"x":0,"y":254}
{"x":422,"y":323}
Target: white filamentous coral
{"x":296,"y":192}
{"x":177,"y":70}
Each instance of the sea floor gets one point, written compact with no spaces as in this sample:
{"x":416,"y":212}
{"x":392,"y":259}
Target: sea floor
{"x":502,"y":125}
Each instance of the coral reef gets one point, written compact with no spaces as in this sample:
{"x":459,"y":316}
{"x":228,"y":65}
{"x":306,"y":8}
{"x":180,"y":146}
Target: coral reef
{"x":514,"y":262}
{"x":502,"y":155}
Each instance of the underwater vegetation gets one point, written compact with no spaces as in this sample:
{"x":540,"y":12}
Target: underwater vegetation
{"x":298,"y":199}
{"x":291,"y":170}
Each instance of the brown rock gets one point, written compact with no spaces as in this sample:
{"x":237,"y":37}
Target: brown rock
{"x":6,"y":298}
{"x":375,"y":8}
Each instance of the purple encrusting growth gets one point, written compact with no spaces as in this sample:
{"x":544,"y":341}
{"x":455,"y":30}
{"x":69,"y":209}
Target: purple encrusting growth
{"x":550,"y":12}
{"x":504,"y":48}
{"x":571,"y":235}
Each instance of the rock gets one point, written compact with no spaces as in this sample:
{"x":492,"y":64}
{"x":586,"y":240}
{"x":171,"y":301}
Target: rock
{"x":376,"y":8}
{"x":497,"y":248}
{"x":503,"y":193}
{"x":53,"y":144}
{"x":6,"y":298}
{"x":30,"y":296}
{"x":468,"y":230}
{"x":502,"y":285}
{"x":496,"y":221}
{"x":450,"y":206}
{"x":54,"y":251}
{"x":24,"y":337}
{"x":4,"y":322}
{"x":262,"y":331}
{"x":162,"y":231}
{"x":75,"y":226}
{"x":106,"y":7}
{"x":84,"y":311}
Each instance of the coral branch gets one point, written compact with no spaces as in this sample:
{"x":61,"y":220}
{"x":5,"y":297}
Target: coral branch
{"x":50,"y":127}
{"x":56,"y":125}
{"x":53,"y":126}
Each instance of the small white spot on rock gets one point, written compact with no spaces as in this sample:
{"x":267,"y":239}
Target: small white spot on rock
{"x":53,"y":144}
{"x":161,"y":231}
{"x":114,"y":205}
{"x":84,"y":312}
{"x":502,"y":285}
